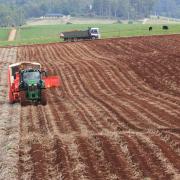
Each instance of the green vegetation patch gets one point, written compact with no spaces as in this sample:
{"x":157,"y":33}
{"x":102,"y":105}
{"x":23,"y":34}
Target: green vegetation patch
{"x":50,"y":33}
{"x":4,"y":32}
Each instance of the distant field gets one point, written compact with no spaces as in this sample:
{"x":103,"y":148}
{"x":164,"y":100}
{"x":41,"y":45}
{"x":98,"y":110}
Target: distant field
{"x":50,"y":33}
{"x":162,"y":20}
{"x":73,"y":20}
{"x":3,"y":34}
{"x":96,"y":20}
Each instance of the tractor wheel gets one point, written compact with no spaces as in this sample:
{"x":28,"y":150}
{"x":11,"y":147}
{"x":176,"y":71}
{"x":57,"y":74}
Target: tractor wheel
{"x":43,"y":97}
{"x":23,"y":99}
{"x":11,"y":99}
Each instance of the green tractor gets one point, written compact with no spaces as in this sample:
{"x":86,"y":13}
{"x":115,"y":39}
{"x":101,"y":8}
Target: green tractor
{"x":28,"y":83}
{"x":32,"y":87}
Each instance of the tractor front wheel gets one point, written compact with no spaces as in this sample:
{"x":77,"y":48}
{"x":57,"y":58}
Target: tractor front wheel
{"x":23,"y":99}
{"x":43,"y":97}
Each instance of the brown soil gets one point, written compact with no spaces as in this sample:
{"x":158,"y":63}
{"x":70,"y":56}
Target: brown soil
{"x":9,"y":120}
{"x":116,"y":116}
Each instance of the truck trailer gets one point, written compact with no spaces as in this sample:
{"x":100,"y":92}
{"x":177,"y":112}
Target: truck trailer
{"x":91,"y":33}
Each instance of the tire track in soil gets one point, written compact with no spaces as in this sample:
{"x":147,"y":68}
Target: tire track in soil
{"x":71,"y":97}
{"x":156,"y":107}
{"x":62,"y":125}
{"x":83,"y":92}
{"x":172,"y":156}
{"x":154,"y":164}
{"x":90,"y":157}
{"x":171,"y":118}
{"x":126,"y":60}
{"x":94,"y":93}
{"x":117,"y":162}
{"x":159,"y":158}
{"x":38,"y":160}
{"x":107,"y":122}
{"x":9,"y":120}
{"x":60,"y":158}
{"x":172,"y":139}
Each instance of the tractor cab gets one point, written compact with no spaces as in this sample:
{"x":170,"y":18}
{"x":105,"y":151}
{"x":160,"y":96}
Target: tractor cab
{"x":30,"y":76}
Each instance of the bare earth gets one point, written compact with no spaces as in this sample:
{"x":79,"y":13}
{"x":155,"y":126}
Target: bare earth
{"x":9,"y":120}
{"x":117,"y":115}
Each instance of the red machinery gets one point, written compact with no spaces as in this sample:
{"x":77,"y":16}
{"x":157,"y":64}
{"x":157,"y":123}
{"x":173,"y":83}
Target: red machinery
{"x":32,"y":86}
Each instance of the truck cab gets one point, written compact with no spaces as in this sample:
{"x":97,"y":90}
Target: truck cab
{"x":95,"y":33}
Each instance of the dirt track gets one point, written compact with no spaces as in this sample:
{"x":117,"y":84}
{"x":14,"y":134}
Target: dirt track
{"x":117,"y":115}
{"x":12,"y":34}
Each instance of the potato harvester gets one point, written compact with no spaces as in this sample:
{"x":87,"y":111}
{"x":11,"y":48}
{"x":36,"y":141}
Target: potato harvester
{"x":28,"y":83}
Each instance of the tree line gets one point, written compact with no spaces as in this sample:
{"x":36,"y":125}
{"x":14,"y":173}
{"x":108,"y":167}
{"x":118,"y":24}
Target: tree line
{"x":168,"y":8}
{"x":15,"y":12}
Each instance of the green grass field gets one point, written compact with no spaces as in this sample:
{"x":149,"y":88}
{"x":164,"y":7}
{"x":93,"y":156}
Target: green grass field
{"x":50,"y":33}
{"x":4,"y":34}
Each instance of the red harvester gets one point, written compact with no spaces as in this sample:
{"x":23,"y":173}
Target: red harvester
{"x":27,"y":83}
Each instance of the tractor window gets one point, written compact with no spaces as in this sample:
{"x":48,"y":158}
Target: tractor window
{"x":35,"y":76}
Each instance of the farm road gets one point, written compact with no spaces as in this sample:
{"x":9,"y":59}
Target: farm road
{"x":12,"y":34}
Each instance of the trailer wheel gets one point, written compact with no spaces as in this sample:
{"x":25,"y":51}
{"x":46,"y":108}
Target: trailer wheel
{"x":11,"y":98}
{"x":23,"y":99}
{"x":43,"y":97}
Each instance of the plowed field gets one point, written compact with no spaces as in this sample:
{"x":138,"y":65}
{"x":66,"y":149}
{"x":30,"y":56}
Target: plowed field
{"x":116,"y":116}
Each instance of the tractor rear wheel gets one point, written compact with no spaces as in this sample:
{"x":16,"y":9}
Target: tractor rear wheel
{"x":23,"y":99}
{"x":43,"y":97}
